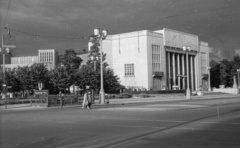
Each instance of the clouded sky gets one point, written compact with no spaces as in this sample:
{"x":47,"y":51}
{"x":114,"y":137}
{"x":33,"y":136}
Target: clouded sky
{"x":63,"y":24}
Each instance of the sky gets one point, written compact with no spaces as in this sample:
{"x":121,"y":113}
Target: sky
{"x":64,"y":24}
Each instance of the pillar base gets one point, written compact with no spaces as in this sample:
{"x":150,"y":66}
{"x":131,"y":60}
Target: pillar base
{"x":102,"y":97}
{"x":188,"y":94}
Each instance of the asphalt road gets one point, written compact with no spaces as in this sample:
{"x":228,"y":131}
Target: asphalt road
{"x":197,"y":123}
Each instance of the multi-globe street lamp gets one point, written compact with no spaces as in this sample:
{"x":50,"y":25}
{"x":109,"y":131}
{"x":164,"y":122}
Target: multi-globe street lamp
{"x":188,"y":93}
{"x":96,"y":40}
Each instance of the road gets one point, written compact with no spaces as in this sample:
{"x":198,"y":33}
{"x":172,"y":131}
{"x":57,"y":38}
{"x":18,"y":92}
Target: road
{"x":192,"y":123}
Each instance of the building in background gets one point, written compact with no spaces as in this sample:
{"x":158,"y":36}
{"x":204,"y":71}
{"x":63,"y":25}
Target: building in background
{"x":155,"y":60}
{"x":21,"y":62}
{"x":49,"y":57}
{"x":84,"y":57}
{"x":237,"y":51}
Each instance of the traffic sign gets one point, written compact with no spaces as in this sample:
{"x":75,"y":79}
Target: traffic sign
{"x":40,"y":86}
{"x":238,"y":70}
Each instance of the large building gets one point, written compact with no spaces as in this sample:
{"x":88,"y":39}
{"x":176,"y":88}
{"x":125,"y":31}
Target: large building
{"x":21,"y":62}
{"x":49,"y":57}
{"x":155,"y":60}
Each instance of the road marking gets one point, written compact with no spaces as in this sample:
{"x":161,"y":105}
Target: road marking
{"x":155,"y":107}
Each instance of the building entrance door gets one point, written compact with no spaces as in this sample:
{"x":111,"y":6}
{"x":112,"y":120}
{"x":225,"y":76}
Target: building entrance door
{"x":157,"y":84}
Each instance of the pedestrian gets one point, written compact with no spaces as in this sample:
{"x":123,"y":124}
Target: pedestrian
{"x":87,"y":100}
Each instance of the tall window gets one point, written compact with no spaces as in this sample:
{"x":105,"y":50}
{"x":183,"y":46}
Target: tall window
{"x":204,"y":63}
{"x":129,"y":69}
{"x":156,"y":58}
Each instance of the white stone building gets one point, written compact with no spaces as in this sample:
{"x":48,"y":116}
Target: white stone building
{"x":156,"y":60}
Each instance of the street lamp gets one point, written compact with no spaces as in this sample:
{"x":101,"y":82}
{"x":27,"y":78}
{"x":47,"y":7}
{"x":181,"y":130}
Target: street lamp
{"x":100,"y":37}
{"x":8,"y":41}
{"x":188,"y":93}
{"x":209,"y":81}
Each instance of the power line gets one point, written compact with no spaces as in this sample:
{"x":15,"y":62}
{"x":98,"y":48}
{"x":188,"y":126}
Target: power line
{"x":48,"y":36}
{"x":196,"y":12}
{"x":206,"y":20}
{"x":7,"y":12}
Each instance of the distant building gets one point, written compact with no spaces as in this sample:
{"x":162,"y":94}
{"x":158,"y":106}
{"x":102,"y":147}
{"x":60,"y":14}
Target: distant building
{"x":156,"y":60}
{"x":84,"y":57}
{"x":237,"y":51}
{"x":24,"y":60}
{"x":21,"y":62}
{"x":48,"y":57}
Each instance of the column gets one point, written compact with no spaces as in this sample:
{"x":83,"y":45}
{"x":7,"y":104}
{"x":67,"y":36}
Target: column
{"x":191,"y":75}
{"x":196,"y":73}
{"x":183,"y":72}
{"x":174,"y":69}
{"x":178,"y":66}
{"x":169,"y":71}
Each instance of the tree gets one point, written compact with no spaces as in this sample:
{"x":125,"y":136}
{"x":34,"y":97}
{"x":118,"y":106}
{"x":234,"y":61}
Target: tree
{"x":88,"y":76}
{"x":13,"y":81}
{"x":111,"y":82}
{"x":39,"y":74}
{"x":25,"y":76}
{"x":214,"y":72}
{"x":59,"y":78}
{"x":71,"y":61}
{"x":71,"y":64}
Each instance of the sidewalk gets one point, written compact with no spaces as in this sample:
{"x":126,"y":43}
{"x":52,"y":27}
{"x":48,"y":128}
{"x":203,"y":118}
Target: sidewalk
{"x":156,"y":98}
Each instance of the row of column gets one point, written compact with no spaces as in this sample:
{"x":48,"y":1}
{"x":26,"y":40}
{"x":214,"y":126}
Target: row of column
{"x":177,"y":71}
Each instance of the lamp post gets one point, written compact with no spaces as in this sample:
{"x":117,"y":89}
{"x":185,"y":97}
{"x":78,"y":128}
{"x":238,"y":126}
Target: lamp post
{"x":188,"y":93}
{"x":209,"y":80}
{"x":100,"y":37}
{"x":8,"y":41}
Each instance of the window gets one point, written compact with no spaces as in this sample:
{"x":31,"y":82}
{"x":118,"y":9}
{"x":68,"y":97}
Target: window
{"x":156,"y":52}
{"x":204,"y":63}
{"x":129,"y":69}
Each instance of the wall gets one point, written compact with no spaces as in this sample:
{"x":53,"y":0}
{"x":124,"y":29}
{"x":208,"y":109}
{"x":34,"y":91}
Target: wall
{"x":155,"y":38}
{"x":129,"y":48}
{"x":203,"y":50}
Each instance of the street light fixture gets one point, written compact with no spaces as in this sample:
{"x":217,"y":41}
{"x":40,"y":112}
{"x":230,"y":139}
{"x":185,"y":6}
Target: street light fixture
{"x":188,"y":93}
{"x":100,"y":37}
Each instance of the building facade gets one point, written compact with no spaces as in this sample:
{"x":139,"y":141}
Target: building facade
{"x":49,"y":57}
{"x":21,"y":62}
{"x":155,"y":60}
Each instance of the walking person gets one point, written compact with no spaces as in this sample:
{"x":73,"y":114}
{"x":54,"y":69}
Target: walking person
{"x":87,"y":100}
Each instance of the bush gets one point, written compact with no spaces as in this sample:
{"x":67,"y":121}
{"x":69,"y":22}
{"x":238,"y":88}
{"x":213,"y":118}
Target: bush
{"x":157,"y":92}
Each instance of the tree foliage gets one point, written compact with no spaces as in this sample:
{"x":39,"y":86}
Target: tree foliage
{"x":71,"y":61}
{"x":13,"y":81}
{"x":223,"y":72}
{"x":62,"y":77}
{"x":59,"y":78}
{"x":91,"y":77}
